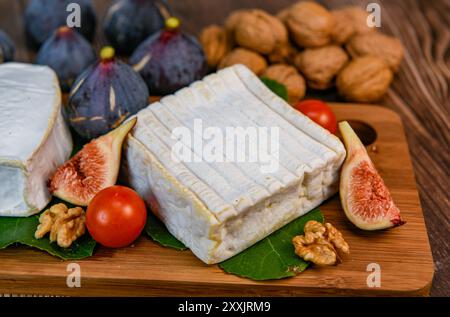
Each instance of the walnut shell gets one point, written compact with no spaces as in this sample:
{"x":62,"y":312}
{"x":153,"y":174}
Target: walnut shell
{"x":320,"y":65}
{"x":259,"y":31}
{"x":283,"y":14}
{"x":387,"y":47}
{"x":309,"y":23}
{"x":364,"y":79}
{"x":290,"y":78}
{"x":252,"y":60}
{"x":284,"y":54}
{"x":216,"y":43}
{"x":343,"y":27}
{"x":232,"y":19}
{"x":358,"y":18}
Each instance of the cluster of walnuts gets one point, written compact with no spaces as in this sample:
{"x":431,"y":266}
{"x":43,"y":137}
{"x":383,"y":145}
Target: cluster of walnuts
{"x":308,"y":45}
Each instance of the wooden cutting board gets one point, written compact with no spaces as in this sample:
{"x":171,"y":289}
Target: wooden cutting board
{"x":402,"y":254}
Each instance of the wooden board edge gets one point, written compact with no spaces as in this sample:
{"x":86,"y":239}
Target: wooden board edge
{"x":138,"y":288}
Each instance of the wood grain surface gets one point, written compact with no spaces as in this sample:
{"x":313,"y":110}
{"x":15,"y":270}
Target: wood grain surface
{"x":419,"y":94}
{"x":403,"y":253}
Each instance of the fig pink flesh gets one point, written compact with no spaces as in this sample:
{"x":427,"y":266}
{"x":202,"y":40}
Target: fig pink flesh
{"x":369,"y":196}
{"x":92,"y":169}
{"x":364,"y":196}
{"x":80,"y":178}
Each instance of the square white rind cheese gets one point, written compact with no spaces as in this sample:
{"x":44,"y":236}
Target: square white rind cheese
{"x":34,"y":139}
{"x":218,"y":209}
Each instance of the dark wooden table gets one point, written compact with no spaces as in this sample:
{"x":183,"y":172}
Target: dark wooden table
{"x":420,"y":92}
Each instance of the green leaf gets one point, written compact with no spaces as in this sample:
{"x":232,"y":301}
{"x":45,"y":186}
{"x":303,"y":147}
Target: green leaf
{"x":21,"y":230}
{"x":276,"y":87}
{"x":270,"y":258}
{"x":159,"y":233}
{"x":274,"y":256}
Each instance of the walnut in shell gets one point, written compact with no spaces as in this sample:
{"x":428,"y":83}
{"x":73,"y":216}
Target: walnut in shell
{"x":259,"y":31}
{"x":309,"y":23}
{"x":283,"y":14}
{"x":255,"y":62}
{"x":320,"y":65}
{"x":357,"y":17}
{"x":290,"y":78}
{"x":216,"y":43}
{"x":232,"y":20}
{"x":387,"y":47}
{"x":284,"y":53}
{"x":364,"y":79}
{"x":343,"y":27}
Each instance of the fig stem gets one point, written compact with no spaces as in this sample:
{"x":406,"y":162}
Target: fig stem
{"x":107,"y":53}
{"x":63,"y":29}
{"x":172,"y":23}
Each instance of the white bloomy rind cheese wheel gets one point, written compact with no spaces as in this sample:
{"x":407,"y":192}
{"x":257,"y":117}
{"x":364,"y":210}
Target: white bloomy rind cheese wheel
{"x":34,"y":139}
{"x":218,"y":209}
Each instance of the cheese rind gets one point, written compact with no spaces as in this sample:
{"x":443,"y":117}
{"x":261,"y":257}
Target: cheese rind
{"x":218,"y":209}
{"x":34,"y":137}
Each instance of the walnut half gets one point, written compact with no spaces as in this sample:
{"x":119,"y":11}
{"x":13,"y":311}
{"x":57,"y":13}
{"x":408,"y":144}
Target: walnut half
{"x":65,"y":225}
{"x":320,"y":244}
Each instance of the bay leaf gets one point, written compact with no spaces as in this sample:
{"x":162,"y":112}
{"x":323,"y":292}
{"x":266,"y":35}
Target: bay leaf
{"x":277,"y":88}
{"x":20,"y":230}
{"x":274,"y":256}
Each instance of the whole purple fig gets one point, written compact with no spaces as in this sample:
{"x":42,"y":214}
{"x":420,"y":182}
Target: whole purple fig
{"x":43,"y":17}
{"x":68,"y":53}
{"x":129,"y":22}
{"x":7,"y":48}
{"x":104,"y":95}
{"x":169,"y":59}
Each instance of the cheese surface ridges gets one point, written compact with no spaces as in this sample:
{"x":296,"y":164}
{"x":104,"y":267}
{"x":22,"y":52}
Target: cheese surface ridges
{"x":220,"y":207}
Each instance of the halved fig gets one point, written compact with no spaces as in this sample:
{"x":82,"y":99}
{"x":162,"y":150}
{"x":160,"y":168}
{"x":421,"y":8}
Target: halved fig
{"x":92,"y":169}
{"x":364,"y":196}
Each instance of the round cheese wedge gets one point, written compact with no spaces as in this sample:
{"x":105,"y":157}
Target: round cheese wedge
{"x":34,"y":139}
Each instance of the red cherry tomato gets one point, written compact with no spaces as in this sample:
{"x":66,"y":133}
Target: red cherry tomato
{"x":116,"y":216}
{"x":319,"y":112}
